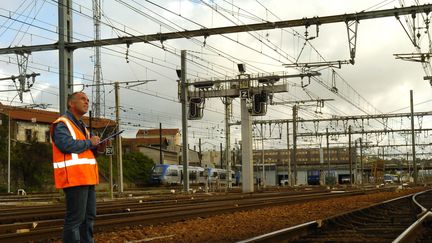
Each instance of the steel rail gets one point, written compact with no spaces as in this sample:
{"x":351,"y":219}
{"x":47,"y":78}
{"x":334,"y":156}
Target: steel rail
{"x":412,"y":233}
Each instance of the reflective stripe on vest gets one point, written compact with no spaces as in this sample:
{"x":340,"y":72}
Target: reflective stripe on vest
{"x":73,"y":162}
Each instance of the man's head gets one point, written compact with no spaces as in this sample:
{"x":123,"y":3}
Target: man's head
{"x":77,"y":103}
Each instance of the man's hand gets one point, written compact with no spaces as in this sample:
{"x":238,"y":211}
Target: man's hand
{"x":94,"y":140}
{"x":101,"y":147}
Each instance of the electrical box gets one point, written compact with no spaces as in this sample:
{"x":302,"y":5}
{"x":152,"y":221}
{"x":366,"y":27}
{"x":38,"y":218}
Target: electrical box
{"x":259,"y":104}
{"x":196,"y":108}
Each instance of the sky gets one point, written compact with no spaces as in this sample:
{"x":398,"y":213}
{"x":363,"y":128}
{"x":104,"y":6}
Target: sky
{"x":377,"y":82}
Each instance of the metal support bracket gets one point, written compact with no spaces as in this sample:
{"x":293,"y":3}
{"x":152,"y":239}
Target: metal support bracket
{"x":352,"y":38}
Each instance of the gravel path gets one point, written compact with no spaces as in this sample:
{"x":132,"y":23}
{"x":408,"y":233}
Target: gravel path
{"x":245,"y":224}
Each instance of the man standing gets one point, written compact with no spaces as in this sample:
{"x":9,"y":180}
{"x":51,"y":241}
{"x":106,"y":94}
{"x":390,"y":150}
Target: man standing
{"x":75,"y":168}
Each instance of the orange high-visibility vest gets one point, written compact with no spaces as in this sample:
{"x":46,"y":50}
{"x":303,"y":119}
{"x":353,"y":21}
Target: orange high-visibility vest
{"x":74,"y":169}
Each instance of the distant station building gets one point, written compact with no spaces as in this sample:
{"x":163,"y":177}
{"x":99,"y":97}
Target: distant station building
{"x":319,"y":161}
{"x":274,"y":170}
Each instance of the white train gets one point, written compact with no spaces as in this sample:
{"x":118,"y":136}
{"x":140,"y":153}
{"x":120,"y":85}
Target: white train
{"x":173,"y":175}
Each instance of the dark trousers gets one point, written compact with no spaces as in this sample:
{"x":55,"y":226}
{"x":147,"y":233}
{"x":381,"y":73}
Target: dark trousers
{"x":80,"y":214}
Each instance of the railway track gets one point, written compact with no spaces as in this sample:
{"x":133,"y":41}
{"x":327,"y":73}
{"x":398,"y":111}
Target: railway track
{"x":383,"y":222}
{"x":38,"y":227}
{"x":14,"y":214}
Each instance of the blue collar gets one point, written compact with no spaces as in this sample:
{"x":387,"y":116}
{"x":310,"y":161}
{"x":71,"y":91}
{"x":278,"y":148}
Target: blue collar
{"x":78,"y":123}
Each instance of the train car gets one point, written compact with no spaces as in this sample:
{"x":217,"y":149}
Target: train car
{"x":344,"y":179}
{"x":313,"y":177}
{"x":194,"y":174}
{"x":166,"y":175}
{"x":213,"y":175}
{"x":173,"y":175}
{"x":390,"y":179}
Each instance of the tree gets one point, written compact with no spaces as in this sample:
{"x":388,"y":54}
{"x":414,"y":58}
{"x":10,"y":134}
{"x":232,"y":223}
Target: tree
{"x":32,"y":165}
{"x":3,"y":152}
{"x":136,"y":168}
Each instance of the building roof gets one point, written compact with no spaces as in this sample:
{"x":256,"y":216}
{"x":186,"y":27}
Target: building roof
{"x":44,"y":116}
{"x":166,"y":152}
{"x":152,"y":132}
{"x":143,"y":141}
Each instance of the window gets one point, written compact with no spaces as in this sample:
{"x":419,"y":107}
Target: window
{"x":35,"y":135}
{"x":193,"y":175}
{"x":127,"y":149}
{"x":47,"y":136}
{"x":172,"y":172}
{"x":28,"y":135}
{"x":158,"y":170}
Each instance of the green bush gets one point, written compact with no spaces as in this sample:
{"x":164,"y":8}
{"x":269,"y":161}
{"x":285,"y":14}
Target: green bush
{"x":32,"y":165}
{"x":330,"y":180}
{"x":136,"y":168}
{"x":3,"y":189}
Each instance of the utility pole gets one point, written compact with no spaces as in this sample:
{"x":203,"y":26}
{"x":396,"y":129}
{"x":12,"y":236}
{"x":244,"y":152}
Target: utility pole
{"x":65,"y":53}
{"x":289,"y":157}
{"x":409,"y":167}
{"x":118,"y":138}
{"x":227,"y":103}
{"x":90,"y":122}
{"x":221,"y":155}
{"x":184,"y":100}
{"x":383,"y":155}
{"x":262,"y":156}
{"x":294,"y":156}
{"x":9,"y":153}
{"x":413,"y":138}
{"x":328,"y":155}
{"x":355,"y":163}
{"x":349,"y":154}
{"x":111,"y":172}
{"x":200,"y":152}
{"x":361,"y":162}
{"x":160,"y":143}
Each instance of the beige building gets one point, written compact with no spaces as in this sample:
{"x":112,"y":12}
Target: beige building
{"x":133,"y":144}
{"x":211,"y":158}
{"x":172,"y":135}
{"x":168,"y":157}
{"x":305,"y":156}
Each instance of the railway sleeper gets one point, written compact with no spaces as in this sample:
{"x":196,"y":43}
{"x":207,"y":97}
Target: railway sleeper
{"x":366,"y":224}
{"x":426,"y":235}
{"x":386,"y":232}
{"x":334,"y":239}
